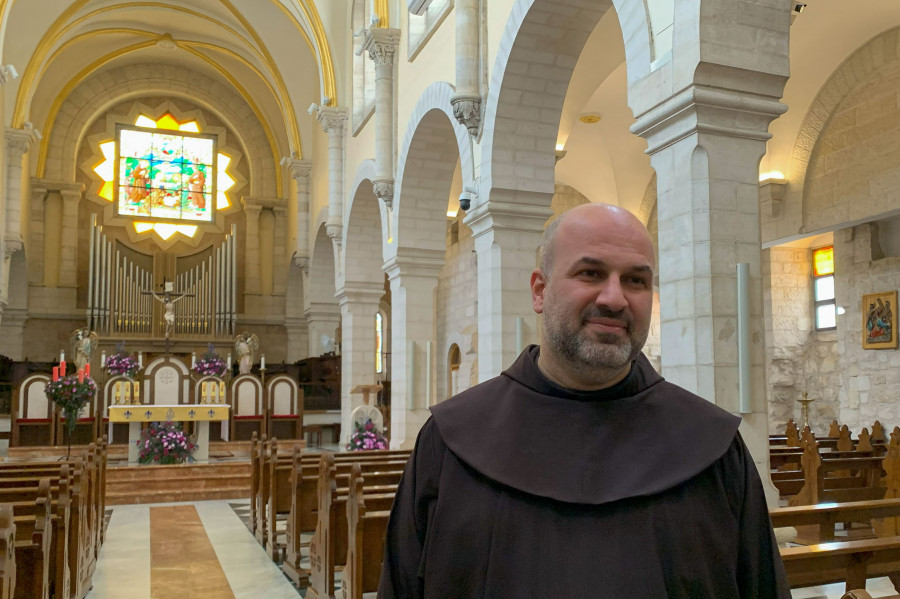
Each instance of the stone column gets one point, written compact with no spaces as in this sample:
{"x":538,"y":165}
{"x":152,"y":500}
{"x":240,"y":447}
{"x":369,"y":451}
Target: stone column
{"x":467,"y":99}
{"x":322,"y":319}
{"x":333,"y":121}
{"x":251,"y":247}
{"x":280,"y":258}
{"x":414,"y":277}
{"x":381,"y":44}
{"x":300,"y":171}
{"x":359,"y":304}
{"x":18,"y":142}
{"x":506,"y":237}
{"x":68,"y":259}
{"x":705,"y":145}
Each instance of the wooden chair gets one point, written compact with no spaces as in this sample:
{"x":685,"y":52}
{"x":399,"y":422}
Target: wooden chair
{"x":33,"y":413}
{"x":284,"y":401}
{"x":248,"y":414}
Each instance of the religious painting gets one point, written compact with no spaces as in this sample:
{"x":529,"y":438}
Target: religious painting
{"x":165,"y":175}
{"x":879,"y":312}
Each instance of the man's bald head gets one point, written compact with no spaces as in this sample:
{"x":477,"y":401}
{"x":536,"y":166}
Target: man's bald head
{"x":606,"y":217}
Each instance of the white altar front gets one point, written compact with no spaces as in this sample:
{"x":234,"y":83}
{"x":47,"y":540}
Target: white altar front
{"x":202,"y":414}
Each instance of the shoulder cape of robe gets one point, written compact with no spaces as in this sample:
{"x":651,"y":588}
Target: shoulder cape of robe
{"x":520,"y":488}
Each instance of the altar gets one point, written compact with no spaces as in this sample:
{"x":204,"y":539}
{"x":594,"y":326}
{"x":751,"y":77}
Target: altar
{"x":202,"y":414}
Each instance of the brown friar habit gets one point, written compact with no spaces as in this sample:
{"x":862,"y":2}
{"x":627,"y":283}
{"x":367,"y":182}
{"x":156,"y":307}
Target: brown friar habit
{"x":519,"y":488}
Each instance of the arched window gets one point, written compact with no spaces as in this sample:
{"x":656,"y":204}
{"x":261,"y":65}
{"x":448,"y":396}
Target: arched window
{"x":454,"y":359}
{"x":379,"y":343}
{"x":421,"y":27}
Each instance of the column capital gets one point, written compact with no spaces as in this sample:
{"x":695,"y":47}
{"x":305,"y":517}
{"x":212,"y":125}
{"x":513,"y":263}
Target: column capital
{"x":384,"y":191}
{"x":704,"y":109}
{"x":360,"y":293}
{"x":415,"y":263}
{"x":258,"y":203}
{"x":330,"y":118}
{"x":300,"y":169}
{"x":381,"y":44}
{"x":20,"y":140}
{"x":494,"y":215}
{"x":66,"y":190}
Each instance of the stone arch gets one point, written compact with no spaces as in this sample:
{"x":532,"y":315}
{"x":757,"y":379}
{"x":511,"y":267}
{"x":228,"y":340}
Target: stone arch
{"x":362,"y":260}
{"x":433,"y":142}
{"x":83,"y":106}
{"x":878,"y":55}
{"x":321,"y":269}
{"x":529,"y":81}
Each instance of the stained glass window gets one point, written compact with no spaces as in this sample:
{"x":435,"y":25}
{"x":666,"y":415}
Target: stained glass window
{"x":823,"y":288}
{"x":165,"y":174}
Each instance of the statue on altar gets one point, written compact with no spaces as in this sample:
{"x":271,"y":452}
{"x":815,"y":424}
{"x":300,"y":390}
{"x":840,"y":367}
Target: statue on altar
{"x":83,"y":342}
{"x":245,"y":347}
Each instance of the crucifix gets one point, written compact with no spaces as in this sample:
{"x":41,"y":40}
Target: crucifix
{"x":168,"y":297}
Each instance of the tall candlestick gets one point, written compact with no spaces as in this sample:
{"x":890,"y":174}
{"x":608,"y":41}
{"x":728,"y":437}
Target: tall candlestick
{"x":228,"y":361}
{"x":62,"y":356}
{"x":55,"y":373}
{"x":262,"y":362}
{"x":140,"y":359}
{"x":102,"y":359}
{"x":193,"y":359}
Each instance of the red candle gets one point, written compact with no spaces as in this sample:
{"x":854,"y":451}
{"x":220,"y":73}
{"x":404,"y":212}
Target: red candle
{"x":62,"y":368}
{"x":87,"y":370}
{"x":55,"y":373}
{"x":80,"y":376}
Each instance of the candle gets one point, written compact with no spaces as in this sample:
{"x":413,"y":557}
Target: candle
{"x":62,"y":368}
{"x":262,"y":362}
{"x":80,"y":375}
{"x":193,"y":359}
{"x":228,"y":361}
{"x":140,"y":359}
{"x":102,"y":359}
{"x":87,"y":370}
{"x":62,"y":356}
{"x":55,"y":373}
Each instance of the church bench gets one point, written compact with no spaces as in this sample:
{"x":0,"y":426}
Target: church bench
{"x":851,"y":562}
{"x":857,"y":479}
{"x":789,"y":482}
{"x":863,"y":594}
{"x":367,"y":525}
{"x":32,"y":550}
{"x":328,"y":548}
{"x":281,"y":493}
{"x":302,"y":517}
{"x":7,"y":553}
{"x":825,"y":516}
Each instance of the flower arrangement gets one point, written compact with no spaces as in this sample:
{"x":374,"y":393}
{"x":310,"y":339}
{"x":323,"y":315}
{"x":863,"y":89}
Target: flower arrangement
{"x":71,"y":393}
{"x":121,"y":363}
{"x":164,"y":443}
{"x":211,"y":364}
{"x":365,"y":437}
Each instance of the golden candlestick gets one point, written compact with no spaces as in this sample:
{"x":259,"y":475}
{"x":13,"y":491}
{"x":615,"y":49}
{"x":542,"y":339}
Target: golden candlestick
{"x":804,"y":410}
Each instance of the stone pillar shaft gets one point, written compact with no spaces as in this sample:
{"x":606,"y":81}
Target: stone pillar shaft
{"x":18,"y":142}
{"x":705,"y":146}
{"x":467,"y":99}
{"x":322,"y":319}
{"x":359,"y":304}
{"x":68,"y":259}
{"x":413,"y":279}
{"x":381,"y":44}
{"x":251,"y":251}
{"x":506,"y":239}
{"x":300,"y":171}
{"x":333,"y":121}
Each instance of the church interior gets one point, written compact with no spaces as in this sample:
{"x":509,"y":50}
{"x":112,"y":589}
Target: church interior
{"x":266,"y":225}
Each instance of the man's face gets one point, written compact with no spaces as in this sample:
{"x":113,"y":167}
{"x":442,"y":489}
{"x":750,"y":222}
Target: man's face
{"x":598,"y":299}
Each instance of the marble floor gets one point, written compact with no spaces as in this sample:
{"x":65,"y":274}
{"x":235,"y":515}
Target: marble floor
{"x":199,"y":550}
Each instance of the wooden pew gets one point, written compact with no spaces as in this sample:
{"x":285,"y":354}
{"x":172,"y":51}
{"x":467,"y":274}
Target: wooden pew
{"x":7,"y":552}
{"x":858,"y":478}
{"x":825,"y":516}
{"x":280,"y":493}
{"x":365,"y":544}
{"x":862,"y":594}
{"x":32,"y":548}
{"x":303,"y":515}
{"x":851,"y":562}
{"x":328,"y":548}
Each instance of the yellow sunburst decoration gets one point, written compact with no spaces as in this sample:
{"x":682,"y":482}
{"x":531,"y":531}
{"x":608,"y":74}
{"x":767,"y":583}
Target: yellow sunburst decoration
{"x":105,"y":169}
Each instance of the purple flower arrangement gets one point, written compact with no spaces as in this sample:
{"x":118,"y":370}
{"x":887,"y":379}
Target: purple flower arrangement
{"x":121,"y":363}
{"x":366,"y":437}
{"x":210,"y":364}
{"x":71,"y":393}
{"x":164,"y":443}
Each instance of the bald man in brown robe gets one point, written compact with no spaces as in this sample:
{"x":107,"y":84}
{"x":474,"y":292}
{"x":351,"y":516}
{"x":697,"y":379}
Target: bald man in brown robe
{"x":579,"y":472}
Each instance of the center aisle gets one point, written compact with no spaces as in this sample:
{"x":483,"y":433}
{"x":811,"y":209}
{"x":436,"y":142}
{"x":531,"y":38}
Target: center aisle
{"x":189,"y":547}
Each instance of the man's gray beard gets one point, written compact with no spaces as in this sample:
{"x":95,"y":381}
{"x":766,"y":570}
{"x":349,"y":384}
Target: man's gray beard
{"x":606,"y":351}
